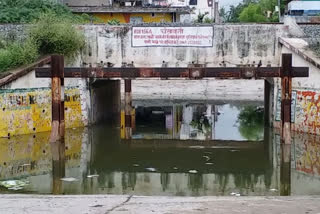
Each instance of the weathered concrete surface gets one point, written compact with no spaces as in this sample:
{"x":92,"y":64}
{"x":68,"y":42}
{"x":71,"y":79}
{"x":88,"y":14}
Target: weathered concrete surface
{"x":207,"y":89}
{"x":233,"y":45}
{"x":12,"y":204}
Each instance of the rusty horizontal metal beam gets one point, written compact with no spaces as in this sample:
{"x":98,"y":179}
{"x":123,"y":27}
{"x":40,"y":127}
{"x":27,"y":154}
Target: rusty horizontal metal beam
{"x":191,"y":73}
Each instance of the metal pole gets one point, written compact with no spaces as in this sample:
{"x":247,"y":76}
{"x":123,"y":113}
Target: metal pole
{"x":128,"y":108}
{"x":58,"y":125}
{"x":286,"y":91}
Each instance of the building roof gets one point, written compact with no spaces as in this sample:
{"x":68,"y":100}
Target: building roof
{"x":101,"y":9}
{"x":304,"y":5}
{"x":300,"y":47}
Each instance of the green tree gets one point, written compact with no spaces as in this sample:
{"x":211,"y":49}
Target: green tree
{"x":251,"y":123}
{"x":234,"y":13}
{"x":252,"y":13}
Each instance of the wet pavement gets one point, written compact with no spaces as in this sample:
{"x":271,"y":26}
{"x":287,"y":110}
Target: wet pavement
{"x":181,"y":149}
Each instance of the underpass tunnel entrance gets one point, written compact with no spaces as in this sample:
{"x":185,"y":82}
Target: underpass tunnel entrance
{"x":105,"y":101}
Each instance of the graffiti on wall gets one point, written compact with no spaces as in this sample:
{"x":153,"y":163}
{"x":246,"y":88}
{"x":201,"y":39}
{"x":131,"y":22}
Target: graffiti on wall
{"x":305,"y":110}
{"x":25,"y":111}
{"x":308,"y":112}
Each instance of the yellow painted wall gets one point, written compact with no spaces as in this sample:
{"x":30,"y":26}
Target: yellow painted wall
{"x":25,"y":111}
{"x":125,"y":17}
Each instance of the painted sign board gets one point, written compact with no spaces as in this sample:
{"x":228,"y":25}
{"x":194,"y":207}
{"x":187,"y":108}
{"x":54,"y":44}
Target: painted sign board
{"x":172,"y":36}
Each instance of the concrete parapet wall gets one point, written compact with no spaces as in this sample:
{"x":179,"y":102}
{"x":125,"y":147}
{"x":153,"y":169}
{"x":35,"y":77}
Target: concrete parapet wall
{"x":232,"y":45}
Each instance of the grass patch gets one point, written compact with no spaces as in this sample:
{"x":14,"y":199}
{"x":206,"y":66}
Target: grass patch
{"x":54,"y":35}
{"x":16,"y":54}
{"x":48,"y":35}
{"x":26,"y":11}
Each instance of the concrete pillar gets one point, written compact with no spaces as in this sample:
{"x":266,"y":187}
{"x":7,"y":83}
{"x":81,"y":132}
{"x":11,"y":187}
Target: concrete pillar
{"x":285,"y":170}
{"x":128,"y":108}
{"x":286,"y":91}
{"x":57,"y":90}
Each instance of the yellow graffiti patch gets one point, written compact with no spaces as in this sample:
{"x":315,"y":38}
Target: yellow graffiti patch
{"x":26,"y":111}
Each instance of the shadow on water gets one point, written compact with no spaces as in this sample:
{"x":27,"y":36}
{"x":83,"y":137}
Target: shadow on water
{"x":185,"y":158}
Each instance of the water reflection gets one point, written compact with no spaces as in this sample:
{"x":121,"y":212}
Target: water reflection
{"x":285,"y":170}
{"x":58,"y":166}
{"x":198,"y":121}
{"x":163,"y":166}
{"x":251,"y":122}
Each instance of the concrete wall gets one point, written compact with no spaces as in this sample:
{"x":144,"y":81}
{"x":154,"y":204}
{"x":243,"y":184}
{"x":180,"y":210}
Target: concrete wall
{"x":26,"y":105}
{"x":306,"y":98}
{"x":232,"y":45}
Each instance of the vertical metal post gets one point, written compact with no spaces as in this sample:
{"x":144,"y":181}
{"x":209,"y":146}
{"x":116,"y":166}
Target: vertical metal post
{"x":267,"y":93}
{"x":286,"y":91}
{"x":57,"y":80}
{"x":128,"y":108}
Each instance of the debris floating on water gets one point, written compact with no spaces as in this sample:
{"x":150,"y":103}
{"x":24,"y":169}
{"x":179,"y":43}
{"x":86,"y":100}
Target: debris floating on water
{"x":206,"y":157}
{"x":193,"y":171}
{"x":151,"y":169}
{"x":69,"y":179}
{"x":175,"y":168}
{"x":196,"y":147}
{"x":235,"y":194}
{"x":135,"y":165}
{"x":14,"y":184}
{"x":273,"y":190}
{"x":234,"y":150}
{"x":92,"y":176}
{"x":209,"y":163}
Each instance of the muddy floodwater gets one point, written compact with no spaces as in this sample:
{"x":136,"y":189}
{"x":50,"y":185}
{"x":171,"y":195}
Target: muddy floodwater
{"x":178,"y":148}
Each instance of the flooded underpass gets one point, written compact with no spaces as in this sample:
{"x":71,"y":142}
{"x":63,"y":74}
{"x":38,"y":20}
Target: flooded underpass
{"x":178,"y":148}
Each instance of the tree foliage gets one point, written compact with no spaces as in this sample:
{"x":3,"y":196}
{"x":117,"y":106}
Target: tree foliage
{"x":26,"y":11}
{"x":253,"y":11}
{"x":50,"y":34}
{"x":16,"y":54}
{"x":54,"y":35}
{"x":234,"y":13}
